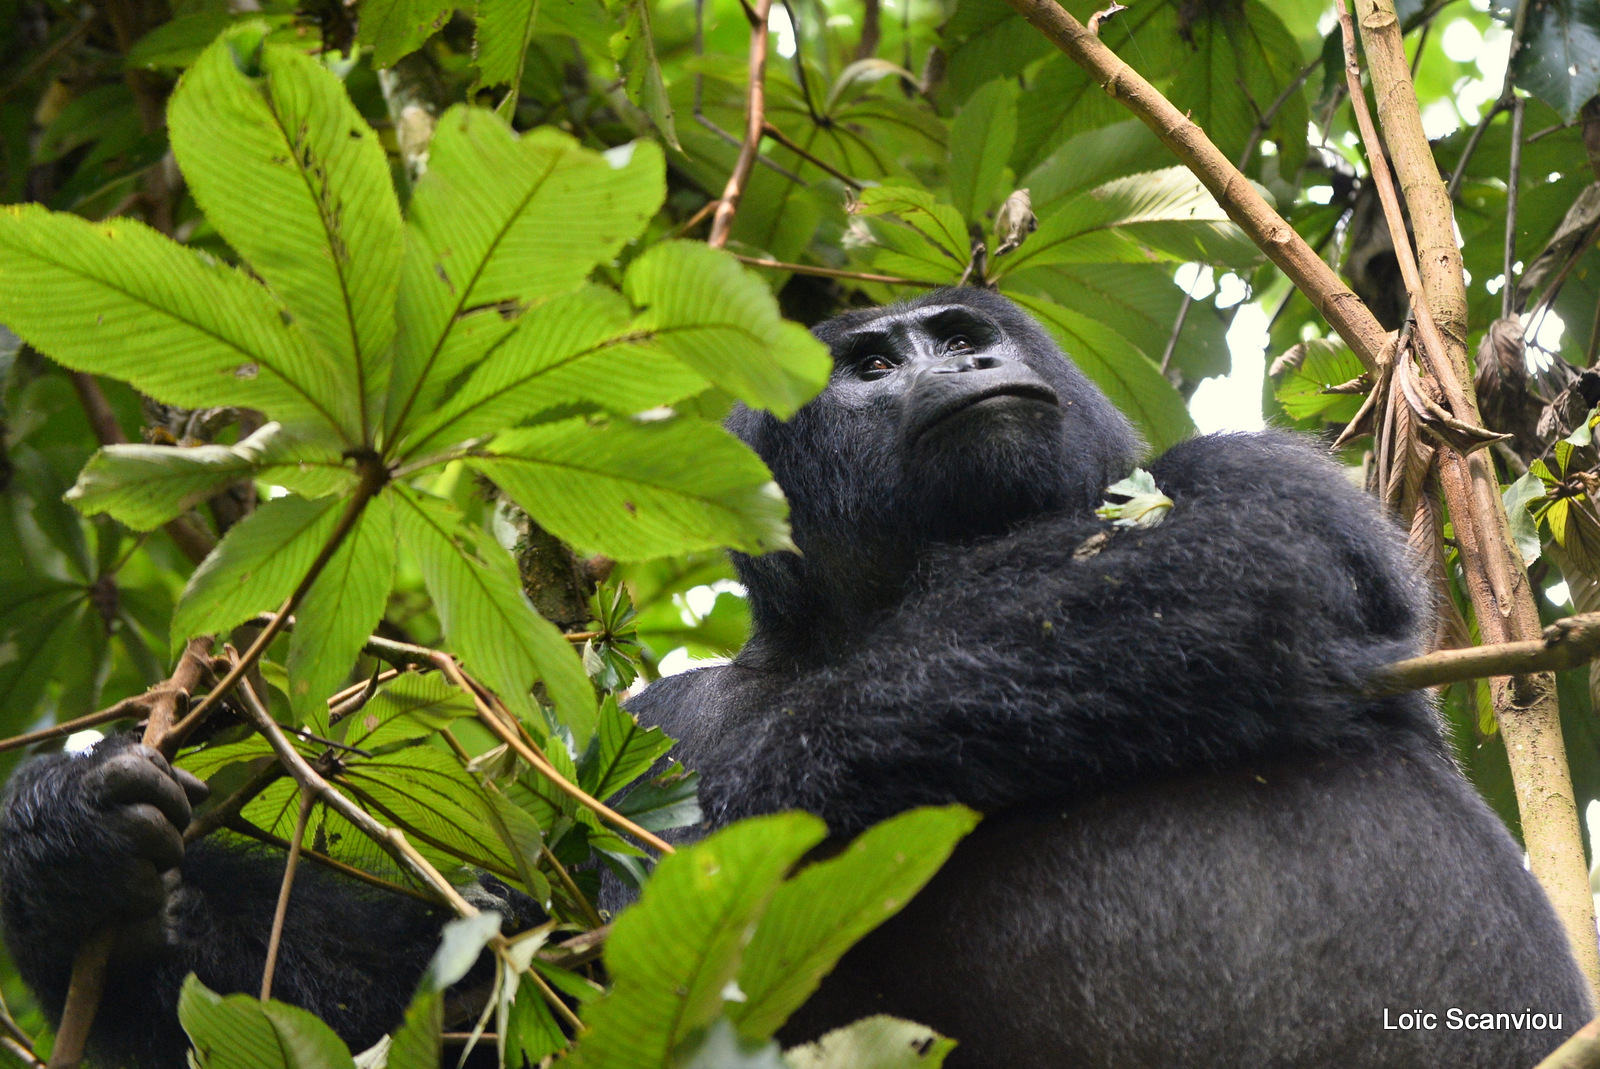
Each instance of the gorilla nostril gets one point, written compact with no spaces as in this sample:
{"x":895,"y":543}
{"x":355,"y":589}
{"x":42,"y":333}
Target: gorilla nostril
{"x":985,"y":363}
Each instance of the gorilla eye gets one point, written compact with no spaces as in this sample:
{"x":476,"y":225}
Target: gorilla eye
{"x":959,"y":344}
{"x":874,"y":366}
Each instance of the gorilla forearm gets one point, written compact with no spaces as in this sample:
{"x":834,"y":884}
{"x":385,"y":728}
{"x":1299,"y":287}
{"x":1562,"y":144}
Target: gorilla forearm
{"x":1028,"y":669}
{"x":72,"y":860}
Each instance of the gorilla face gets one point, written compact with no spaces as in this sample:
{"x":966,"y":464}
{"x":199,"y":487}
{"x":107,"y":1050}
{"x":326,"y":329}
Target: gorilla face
{"x":950,"y":417}
{"x":945,"y":391}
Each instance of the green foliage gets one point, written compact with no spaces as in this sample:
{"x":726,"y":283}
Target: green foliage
{"x":508,"y":330}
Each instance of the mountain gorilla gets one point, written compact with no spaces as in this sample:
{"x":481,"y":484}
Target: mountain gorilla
{"x":1202,"y":847}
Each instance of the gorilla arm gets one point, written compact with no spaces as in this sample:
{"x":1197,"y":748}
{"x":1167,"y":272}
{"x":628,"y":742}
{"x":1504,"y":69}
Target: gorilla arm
{"x":96,"y":839}
{"x":1033,"y":667}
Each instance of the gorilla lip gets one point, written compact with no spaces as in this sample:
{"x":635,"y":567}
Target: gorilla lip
{"x":1027,"y":391}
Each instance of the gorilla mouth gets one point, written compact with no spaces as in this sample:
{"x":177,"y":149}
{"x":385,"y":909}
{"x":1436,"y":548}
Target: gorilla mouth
{"x":954,"y":406}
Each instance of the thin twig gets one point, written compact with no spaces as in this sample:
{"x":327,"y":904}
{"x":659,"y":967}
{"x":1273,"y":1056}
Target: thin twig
{"x":1268,"y":117}
{"x":275,"y":939}
{"x":373,"y":477}
{"x":541,"y":764}
{"x":1501,"y":103}
{"x":755,"y":118}
{"x":789,"y":143}
{"x":311,"y":782}
{"x":1177,"y":328}
{"x":834,"y":272}
{"x":1513,"y":193}
{"x":1567,"y":643}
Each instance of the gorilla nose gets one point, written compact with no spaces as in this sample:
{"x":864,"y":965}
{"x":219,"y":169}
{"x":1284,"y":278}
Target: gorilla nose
{"x":970,"y":361}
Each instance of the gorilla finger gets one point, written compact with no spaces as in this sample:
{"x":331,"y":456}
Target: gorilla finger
{"x":141,"y":889}
{"x":146,"y":833}
{"x":193,"y":786}
{"x":135,"y":777}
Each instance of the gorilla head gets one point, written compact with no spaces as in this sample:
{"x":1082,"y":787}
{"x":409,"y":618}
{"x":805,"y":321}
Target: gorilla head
{"x":947,"y":418}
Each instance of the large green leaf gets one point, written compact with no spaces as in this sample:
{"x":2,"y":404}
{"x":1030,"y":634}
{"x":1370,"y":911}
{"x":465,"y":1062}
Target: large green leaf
{"x":144,"y":486}
{"x":1143,"y":302}
{"x":392,"y":28}
{"x":501,"y":222}
{"x":295,"y":179}
{"x":242,"y":1032}
{"x":1239,"y":60}
{"x":339,"y":613}
{"x":634,"y":47}
{"x":1060,"y":101}
{"x":980,"y":144}
{"x":673,"y":953}
{"x":116,"y":298}
{"x":940,"y":224}
{"x":638,"y":490}
{"x":257,"y":565}
{"x":486,"y":617}
{"x":38,"y":621}
{"x":700,"y":305}
{"x":500,"y":44}
{"x":1559,"y":61}
{"x":1121,"y":220}
{"x":624,"y":750}
{"x":1132,"y":380}
{"x":815,"y":917}
{"x":574,"y":349}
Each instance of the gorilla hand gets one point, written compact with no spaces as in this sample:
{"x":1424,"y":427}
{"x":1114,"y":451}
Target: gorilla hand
{"x":93,"y":840}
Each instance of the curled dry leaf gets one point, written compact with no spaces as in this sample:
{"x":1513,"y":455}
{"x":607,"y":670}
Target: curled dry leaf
{"x":1014,"y":221}
{"x":1458,"y":434}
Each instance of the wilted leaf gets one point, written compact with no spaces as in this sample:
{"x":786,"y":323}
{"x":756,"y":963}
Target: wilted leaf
{"x":874,"y":1043}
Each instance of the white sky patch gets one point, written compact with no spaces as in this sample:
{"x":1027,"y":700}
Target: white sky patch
{"x":782,"y":29}
{"x":1560,"y":594}
{"x":679,"y":661}
{"x":1461,"y":41}
{"x":80,"y":741}
{"x":1547,"y":329}
{"x":1197,"y":280}
{"x":1232,"y":402}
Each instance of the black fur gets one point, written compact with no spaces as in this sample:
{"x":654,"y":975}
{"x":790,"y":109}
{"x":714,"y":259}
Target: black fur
{"x":1203,"y":849}
{"x":75,"y":856}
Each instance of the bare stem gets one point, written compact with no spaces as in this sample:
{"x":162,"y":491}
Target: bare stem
{"x":1526,"y":706}
{"x":1508,"y":289}
{"x":498,"y":727}
{"x":755,"y":116}
{"x":275,"y":940}
{"x":1567,"y":643}
{"x":373,"y":477}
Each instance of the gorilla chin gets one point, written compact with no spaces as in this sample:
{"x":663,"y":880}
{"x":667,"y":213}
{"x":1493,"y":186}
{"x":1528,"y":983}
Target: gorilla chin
{"x":972,"y":470}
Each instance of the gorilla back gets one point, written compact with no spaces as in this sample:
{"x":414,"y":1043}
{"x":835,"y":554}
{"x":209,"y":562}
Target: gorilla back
{"x":1202,"y":847}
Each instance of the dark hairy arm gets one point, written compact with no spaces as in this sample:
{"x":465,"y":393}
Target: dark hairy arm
{"x":1029,"y":669}
{"x":95,"y":840}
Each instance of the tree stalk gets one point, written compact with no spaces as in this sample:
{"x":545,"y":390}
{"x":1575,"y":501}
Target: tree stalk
{"x":1526,"y":707}
{"x":755,"y":117}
